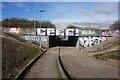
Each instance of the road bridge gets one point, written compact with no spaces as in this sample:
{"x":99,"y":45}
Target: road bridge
{"x":50,"y":37}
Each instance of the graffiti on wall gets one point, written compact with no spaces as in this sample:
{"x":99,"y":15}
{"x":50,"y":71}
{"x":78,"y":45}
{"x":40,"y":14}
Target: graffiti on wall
{"x":44,"y":39}
{"x":90,"y":41}
{"x":60,"y":32}
{"x":69,"y":32}
{"x":89,"y":32}
{"x":14,"y":30}
{"x":64,"y":32}
{"x":41,"y":31}
{"x":57,"y":32}
{"x":115,"y":33}
{"x":31,"y":38}
{"x":104,"y":33}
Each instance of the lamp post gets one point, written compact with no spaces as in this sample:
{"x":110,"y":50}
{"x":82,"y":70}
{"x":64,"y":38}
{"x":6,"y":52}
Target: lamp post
{"x":9,"y":27}
{"x":41,"y":11}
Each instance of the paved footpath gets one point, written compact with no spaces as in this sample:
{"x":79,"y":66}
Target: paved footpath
{"x":83,"y":66}
{"x":46,"y":66}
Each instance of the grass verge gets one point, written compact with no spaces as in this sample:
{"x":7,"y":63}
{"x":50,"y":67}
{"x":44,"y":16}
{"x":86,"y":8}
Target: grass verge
{"x":16,"y":55}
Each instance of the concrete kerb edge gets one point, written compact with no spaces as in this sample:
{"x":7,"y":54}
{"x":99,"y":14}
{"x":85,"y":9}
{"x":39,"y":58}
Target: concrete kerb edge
{"x":73,"y":77}
{"x":28,"y":66}
{"x":60,"y":68}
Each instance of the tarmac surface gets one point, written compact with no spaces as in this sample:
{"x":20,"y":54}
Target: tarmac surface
{"x":77,"y":63}
{"x":83,"y":66}
{"x":46,"y":66}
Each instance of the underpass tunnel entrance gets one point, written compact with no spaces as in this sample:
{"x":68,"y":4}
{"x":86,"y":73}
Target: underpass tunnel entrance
{"x":68,"y":41}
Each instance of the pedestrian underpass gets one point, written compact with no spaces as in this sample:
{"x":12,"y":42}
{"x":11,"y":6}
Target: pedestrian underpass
{"x":68,"y":41}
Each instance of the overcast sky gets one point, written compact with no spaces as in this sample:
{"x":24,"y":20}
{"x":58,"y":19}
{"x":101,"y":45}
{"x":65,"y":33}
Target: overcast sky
{"x":63,"y":12}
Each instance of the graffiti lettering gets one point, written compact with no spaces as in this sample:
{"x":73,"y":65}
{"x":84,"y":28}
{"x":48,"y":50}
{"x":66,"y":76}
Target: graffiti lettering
{"x":31,"y":38}
{"x":90,"y":41}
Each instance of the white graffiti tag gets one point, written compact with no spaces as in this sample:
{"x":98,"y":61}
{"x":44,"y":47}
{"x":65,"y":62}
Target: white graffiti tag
{"x":31,"y":38}
{"x":91,"y":41}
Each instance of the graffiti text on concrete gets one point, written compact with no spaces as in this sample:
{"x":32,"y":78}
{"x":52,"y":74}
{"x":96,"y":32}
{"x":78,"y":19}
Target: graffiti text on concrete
{"x":91,"y":41}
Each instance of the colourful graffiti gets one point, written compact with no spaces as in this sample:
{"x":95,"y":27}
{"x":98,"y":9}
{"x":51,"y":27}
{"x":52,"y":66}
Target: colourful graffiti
{"x":115,"y":33}
{"x":44,"y":39}
{"x":31,"y":38}
{"x":60,"y":32}
{"x":14,"y":30}
{"x":90,"y":41}
{"x":104,"y":33}
{"x":64,"y":32}
{"x":89,"y":32}
{"x":69,"y":32}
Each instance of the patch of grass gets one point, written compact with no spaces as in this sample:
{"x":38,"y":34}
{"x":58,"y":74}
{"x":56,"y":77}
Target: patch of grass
{"x":108,"y":55}
{"x":16,"y":55}
{"x":32,"y":51}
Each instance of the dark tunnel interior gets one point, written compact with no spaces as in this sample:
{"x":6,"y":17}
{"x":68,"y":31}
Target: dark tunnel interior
{"x":56,"y":41}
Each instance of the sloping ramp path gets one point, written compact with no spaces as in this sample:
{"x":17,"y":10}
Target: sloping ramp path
{"x":82,"y":66}
{"x":46,"y":66}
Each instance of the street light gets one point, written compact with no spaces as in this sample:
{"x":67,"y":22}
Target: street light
{"x":41,"y":11}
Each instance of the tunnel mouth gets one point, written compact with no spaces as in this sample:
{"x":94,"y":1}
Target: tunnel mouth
{"x":69,"y":41}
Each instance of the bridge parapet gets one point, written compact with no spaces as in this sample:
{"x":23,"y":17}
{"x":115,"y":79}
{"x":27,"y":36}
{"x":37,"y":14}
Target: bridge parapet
{"x":63,"y":32}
